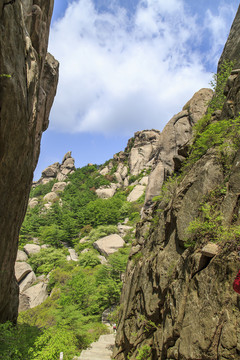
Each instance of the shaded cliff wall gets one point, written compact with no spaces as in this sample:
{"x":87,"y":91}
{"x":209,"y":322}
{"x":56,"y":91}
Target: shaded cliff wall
{"x":28,"y":81}
{"x":178,"y":302}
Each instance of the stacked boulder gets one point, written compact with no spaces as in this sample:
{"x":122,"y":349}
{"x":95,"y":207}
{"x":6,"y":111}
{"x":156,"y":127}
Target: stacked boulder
{"x":58,"y":171}
{"x":32,"y":290}
{"x":137,"y":158}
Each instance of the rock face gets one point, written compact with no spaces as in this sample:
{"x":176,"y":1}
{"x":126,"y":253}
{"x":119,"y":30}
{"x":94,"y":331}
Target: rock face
{"x":174,"y":137}
{"x":142,"y":149}
{"x":159,"y":154}
{"x":179,"y":301}
{"x":136,"y":193}
{"x":27,"y":88}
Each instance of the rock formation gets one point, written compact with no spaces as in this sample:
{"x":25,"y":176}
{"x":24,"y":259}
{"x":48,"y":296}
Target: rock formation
{"x":28,"y":80}
{"x":58,"y":172}
{"x":32,"y":290}
{"x":160,"y":153}
{"x":173,"y":140}
{"x":178,"y":302}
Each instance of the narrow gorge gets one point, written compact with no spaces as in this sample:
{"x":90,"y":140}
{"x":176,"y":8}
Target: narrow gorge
{"x":149,"y":239}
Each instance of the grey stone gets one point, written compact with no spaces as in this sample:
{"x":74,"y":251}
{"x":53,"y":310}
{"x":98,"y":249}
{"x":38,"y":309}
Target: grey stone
{"x":85,"y":251}
{"x":33,"y":203}
{"x":69,"y":163}
{"x":59,"y":187}
{"x":105,"y":193}
{"x":109,"y":244}
{"x":51,"y":197}
{"x":21,"y":270}
{"x":136,"y":193}
{"x":144,"y":181}
{"x":104,"y":171}
{"x":73,"y":254}
{"x":102,"y":259}
{"x":50,"y":171}
{"x":33,"y":296}
{"x":21,"y":256}
{"x":31,"y":249}
{"x":210,"y":250}
{"x":68,"y":155}
{"x":27,"y":281}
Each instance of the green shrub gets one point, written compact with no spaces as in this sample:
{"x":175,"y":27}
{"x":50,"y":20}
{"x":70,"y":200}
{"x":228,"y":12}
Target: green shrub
{"x":16,"y":342}
{"x":47,"y":259}
{"x":118,"y":261}
{"x":144,"y":353}
{"x":101,"y":231}
{"x":42,"y":189}
{"x":53,"y":341}
{"x":89,"y":259}
{"x":52,"y":235}
{"x":218,"y":85}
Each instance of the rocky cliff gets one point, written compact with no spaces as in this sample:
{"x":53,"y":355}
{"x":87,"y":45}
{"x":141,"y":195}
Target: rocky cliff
{"x":28,"y":80}
{"x":177,"y":300}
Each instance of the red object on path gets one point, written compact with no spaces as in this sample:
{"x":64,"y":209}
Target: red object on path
{"x":236,"y":283}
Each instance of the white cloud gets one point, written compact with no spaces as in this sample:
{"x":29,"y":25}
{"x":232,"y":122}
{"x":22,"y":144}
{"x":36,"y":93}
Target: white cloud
{"x":120,"y":74}
{"x":218,"y":27}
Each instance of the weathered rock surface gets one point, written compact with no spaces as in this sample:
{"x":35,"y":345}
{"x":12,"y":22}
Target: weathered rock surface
{"x":21,"y":256}
{"x":106,"y":192}
{"x":73,"y":255}
{"x":31,"y":249}
{"x":144,"y":181}
{"x":33,"y":296}
{"x":33,"y":202}
{"x":102,"y":259}
{"x":109,"y":244}
{"x":124,"y":229}
{"x":142,"y":149}
{"x":136,"y":193}
{"x":21,"y":270}
{"x":59,"y":187}
{"x":178,"y":301}
{"x":210,"y":250}
{"x":173,"y":299}
{"x":174,"y":136}
{"x":51,"y":197}
{"x":27,"y":282}
{"x":24,"y":116}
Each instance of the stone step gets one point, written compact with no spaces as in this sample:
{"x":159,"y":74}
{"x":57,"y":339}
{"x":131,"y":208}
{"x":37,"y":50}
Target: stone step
{"x":99,"y":350}
{"x":94,"y":357}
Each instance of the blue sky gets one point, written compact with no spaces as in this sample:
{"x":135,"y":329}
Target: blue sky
{"x":125,"y":66}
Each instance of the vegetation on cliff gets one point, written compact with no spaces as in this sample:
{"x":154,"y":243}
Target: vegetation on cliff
{"x":178,"y":289}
